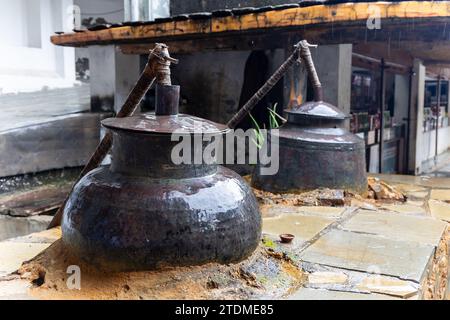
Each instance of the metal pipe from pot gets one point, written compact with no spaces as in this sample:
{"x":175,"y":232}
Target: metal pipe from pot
{"x":157,"y":69}
{"x":162,"y":76}
{"x":302,"y":52}
{"x":305,"y":55}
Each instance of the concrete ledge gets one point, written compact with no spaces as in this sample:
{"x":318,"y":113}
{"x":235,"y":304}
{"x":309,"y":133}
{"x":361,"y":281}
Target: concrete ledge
{"x":21,"y":226}
{"x":66,"y":141}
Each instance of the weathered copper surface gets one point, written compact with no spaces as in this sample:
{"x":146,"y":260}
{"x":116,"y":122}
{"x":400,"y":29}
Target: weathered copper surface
{"x":312,"y":158}
{"x":167,"y":100}
{"x":143,"y":211}
{"x":165,"y":124}
{"x":316,"y":152}
{"x":157,"y":69}
{"x":315,"y":109}
{"x":314,"y":149}
{"x":123,"y":222}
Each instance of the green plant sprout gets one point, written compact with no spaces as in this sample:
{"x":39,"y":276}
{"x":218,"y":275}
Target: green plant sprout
{"x":274,"y":119}
{"x":257,"y":130}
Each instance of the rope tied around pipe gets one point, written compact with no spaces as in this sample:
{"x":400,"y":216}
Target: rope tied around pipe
{"x":305,"y":56}
{"x":161,"y":67}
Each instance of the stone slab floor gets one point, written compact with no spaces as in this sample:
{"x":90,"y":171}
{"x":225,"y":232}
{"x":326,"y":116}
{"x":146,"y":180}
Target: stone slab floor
{"x":361,"y":251}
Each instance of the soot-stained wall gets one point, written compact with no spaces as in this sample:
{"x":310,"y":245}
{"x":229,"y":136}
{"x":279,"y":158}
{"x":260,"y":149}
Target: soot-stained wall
{"x":211,"y":82}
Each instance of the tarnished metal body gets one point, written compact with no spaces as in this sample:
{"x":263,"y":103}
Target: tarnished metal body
{"x":315,"y":151}
{"x":144,"y":212}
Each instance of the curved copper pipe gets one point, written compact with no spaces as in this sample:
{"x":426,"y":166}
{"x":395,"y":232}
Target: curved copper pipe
{"x":305,"y":55}
{"x":156,"y":70}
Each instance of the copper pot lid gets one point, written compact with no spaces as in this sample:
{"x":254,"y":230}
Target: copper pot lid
{"x":166,"y":124}
{"x":335,"y":136}
{"x":317,"y":109}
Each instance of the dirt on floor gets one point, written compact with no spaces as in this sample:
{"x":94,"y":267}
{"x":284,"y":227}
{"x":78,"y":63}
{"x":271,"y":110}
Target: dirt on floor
{"x":379,"y":192}
{"x":267,"y":273}
{"x":262,"y":275}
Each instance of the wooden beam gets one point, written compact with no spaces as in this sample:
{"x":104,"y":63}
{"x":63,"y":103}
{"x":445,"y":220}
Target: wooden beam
{"x":409,"y":14}
{"x":396,"y":44}
{"x":224,"y":43}
{"x":403,"y":52}
{"x":438,"y":70}
{"x":371,"y":63}
{"x":36,"y":201}
{"x":437,"y":63}
{"x":393,"y":52}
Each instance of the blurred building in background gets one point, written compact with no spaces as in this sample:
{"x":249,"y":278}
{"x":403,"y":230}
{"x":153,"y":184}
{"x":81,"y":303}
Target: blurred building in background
{"x":392,"y":78}
{"x":29,"y":62}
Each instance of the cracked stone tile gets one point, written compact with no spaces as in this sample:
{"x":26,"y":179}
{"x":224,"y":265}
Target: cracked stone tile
{"x":11,"y":227}
{"x":363,"y":205}
{"x":332,"y":212}
{"x":332,"y":278}
{"x":443,"y":183}
{"x":408,"y":188}
{"x":398,"y":179}
{"x":327,"y":212}
{"x":424,"y":230}
{"x":384,"y":285}
{"x":46,"y":236}
{"x":15,"y":289}
{"x":358,"y":282}
{"x":363,"y":252}
{"x":416,"y":203}
{"x":439,"y":210}
{"x":417,"y":194}
{"x":405,"y":208}
{"x":13,"y":254}
{"x":440,"y":194}
{"x":303,"y":227}
{"x":423,"y":181}
{"x":447,"y":295}
{"x":17,"y":250}
{"x":361,"y":282}
{"x":323,"y":294}
{"x":327,"y":277}
{"x":37,"y":201}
